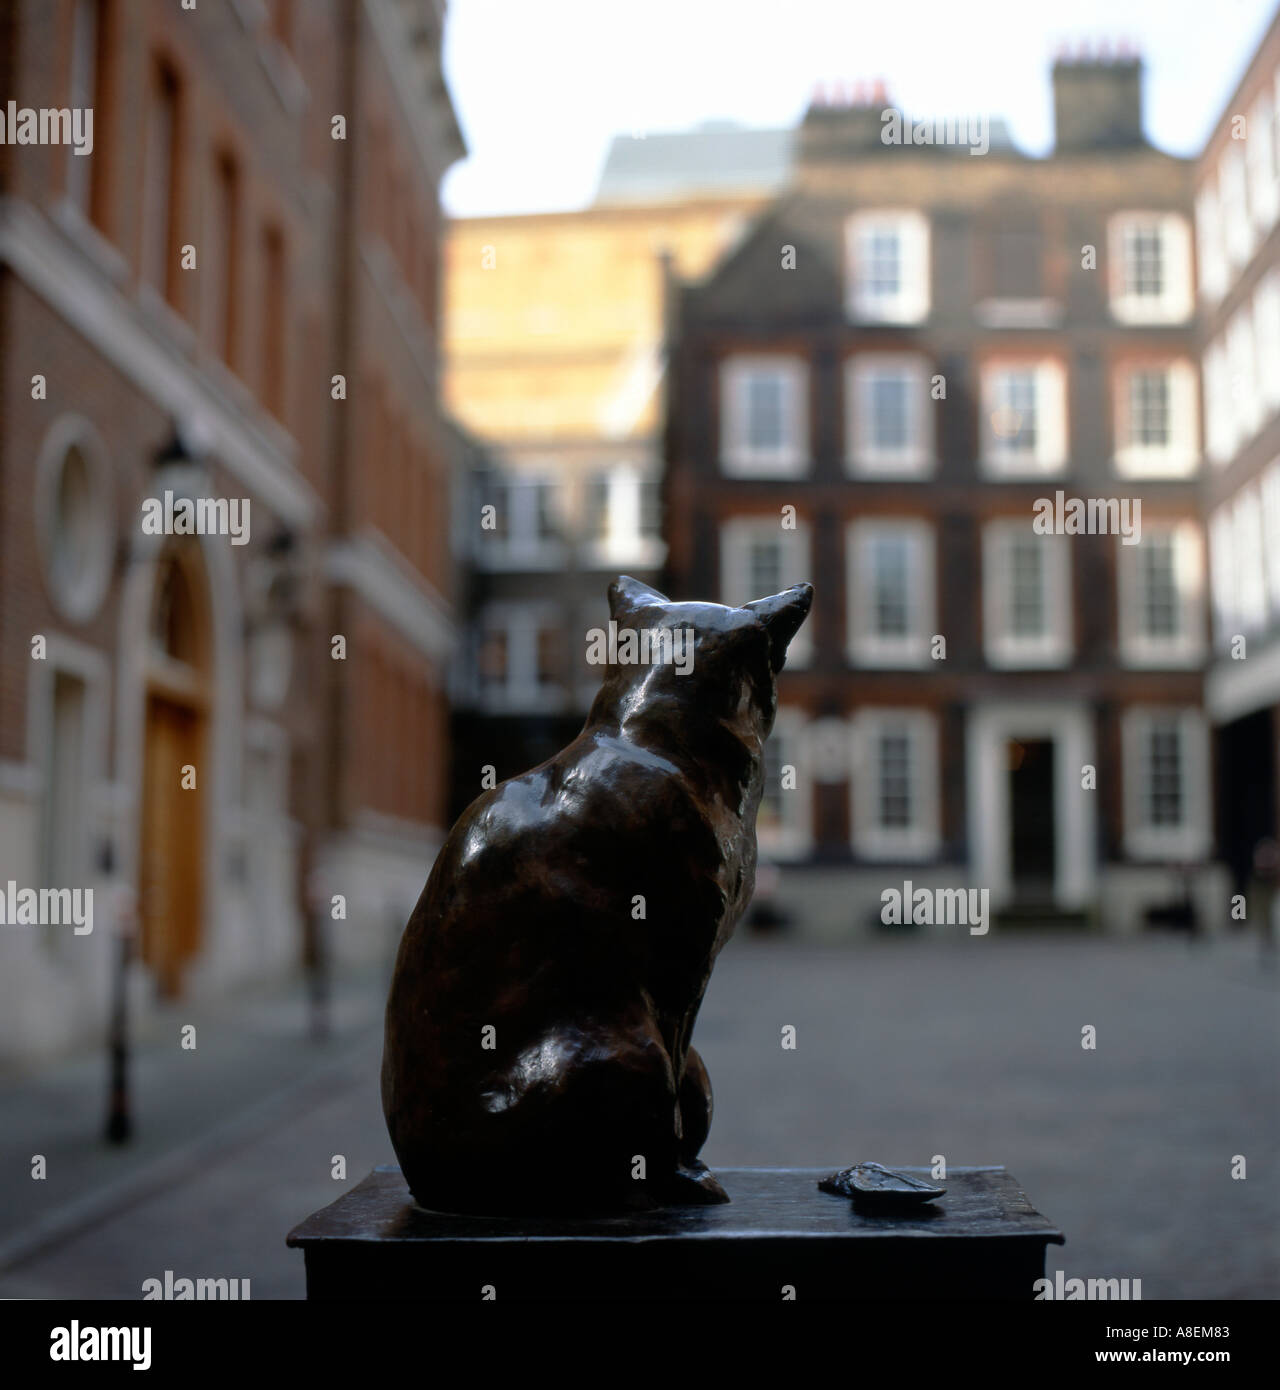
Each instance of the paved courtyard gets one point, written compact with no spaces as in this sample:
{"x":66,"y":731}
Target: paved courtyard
{"x":904,"y":1049}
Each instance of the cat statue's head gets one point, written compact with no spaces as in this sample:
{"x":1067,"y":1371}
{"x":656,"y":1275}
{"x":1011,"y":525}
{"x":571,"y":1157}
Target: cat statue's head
{"x":702,"y":662}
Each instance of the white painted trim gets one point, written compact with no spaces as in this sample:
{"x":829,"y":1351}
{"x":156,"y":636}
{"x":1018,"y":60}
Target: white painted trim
{"x":1054,"y":647}
{"x":912,"y":302}
{"x":259,"y":452}
{"x":1191,"y":840}
{"x":922,"y":839}
{"x":622,"y":543}
{"x":1174,"y":304}
{"x":1049,"y":456}
{"x":520,"y":691}
{"x":522,"y":548}
{"x":93,"y":668}
{"x":1179,"y":457}
{"x":395,"y":590}
{"x":862,"y":458}
{"x":990,"y":727}
{"x":72,"y":431}
{"x":1186,"y":650}
{"x":865,"y":646}
{"x":738,"y":457}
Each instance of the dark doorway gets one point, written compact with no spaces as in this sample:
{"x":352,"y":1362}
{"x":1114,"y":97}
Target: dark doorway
{"x":1032,"y":820}
{"x":1246,"y":791}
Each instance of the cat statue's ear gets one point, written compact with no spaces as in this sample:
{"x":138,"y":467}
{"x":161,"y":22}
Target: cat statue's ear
{"x":627,"y":594}
{"x":782,"y":615}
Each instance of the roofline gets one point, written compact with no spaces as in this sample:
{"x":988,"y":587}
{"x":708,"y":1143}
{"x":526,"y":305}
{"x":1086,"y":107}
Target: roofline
{"x":637,"y":210}
{"x":1246,"y":73}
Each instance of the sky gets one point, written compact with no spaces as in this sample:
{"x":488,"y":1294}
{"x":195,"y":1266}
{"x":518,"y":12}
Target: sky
{"x":542,"y":86}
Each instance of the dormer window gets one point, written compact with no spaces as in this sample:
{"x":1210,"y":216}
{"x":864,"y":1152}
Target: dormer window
{"x":887,"y":267}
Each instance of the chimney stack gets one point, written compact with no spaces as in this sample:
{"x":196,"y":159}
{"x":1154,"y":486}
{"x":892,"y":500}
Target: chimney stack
{"x":1097,"y":100}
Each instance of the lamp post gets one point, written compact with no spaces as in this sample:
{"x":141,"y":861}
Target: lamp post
{"x":119,"y":1126}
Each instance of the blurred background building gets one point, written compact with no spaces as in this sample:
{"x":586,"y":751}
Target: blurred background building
{"x":236,"y":295}
{"x":1237,"y":200}
{"x":555,"y":357}
{"x":910,"y":347}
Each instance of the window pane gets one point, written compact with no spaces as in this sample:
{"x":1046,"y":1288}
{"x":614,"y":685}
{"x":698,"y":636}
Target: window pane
{"x":881,"y":263}
{"x":1149,"y":408}
{"x":544,"y":510}
{"x":595,"y":522}
{"x":764,"y":567}
{"x":1144,"y":264}
{"x":1014,"y":417}
{"x":1164,"y":774}
{"x":891,"y":605}
{"x":1160,"y":610}
{"x":764,"y":411}
{"x":895,"y":781}
{"x":1026,"y":588}
{"x":889,"y":400}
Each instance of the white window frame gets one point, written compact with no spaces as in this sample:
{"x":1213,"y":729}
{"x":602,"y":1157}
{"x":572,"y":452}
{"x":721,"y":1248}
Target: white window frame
{"x":1222,"y":575}
{"x":1269,"y":485}
{"x":792,"y":839}
{"x":738,"y":457}
{"x":1186,"y":647}
{"x":1246,"y":399}
{"x":921,"y":840}
{"x":1211,"y":253}
{"x":736,"y":536}
{"x":1220,"y":419}
{"x":1249,"y":580}
{"x":521,"y":691}
{"x":1190,"y":841}
{"x":622,"y":542}
{"x":1266,"y":340}
{"x":865,"y":646}
{"x":862,"y":457}
{"x":1054,"y":647}
{"x":522,"y":547}
{"x":1174,"y":304}
{"x":90,"y":666}
{"x":1179,"y":457}
{"x":1232,"y":188}
{"x":911,"y":303}
{"x":1049,"y":455}
{"x":1260,"y":164}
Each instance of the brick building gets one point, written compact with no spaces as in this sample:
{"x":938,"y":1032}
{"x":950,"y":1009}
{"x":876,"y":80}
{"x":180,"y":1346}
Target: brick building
{"x":1237,"y":192}
{"x":911,"y":347}
{"x":174,"y":309}
{"x":554,"y":352}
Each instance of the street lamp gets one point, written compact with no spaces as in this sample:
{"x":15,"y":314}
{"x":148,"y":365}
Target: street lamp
{"x":119,"y":1127}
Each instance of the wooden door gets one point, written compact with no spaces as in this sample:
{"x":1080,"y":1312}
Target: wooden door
{"x":172,"y":880}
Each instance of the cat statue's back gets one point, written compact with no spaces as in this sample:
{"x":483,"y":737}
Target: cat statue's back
{"x":537,"y":1053}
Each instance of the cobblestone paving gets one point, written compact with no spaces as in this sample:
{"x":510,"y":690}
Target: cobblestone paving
{"x":970,"y":1049}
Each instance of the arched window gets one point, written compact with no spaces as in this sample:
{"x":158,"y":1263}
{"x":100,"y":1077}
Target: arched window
{"x":178,"y":629}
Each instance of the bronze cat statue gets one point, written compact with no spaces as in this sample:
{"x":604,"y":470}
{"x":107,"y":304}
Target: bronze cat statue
{"x":537,"y":1051}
